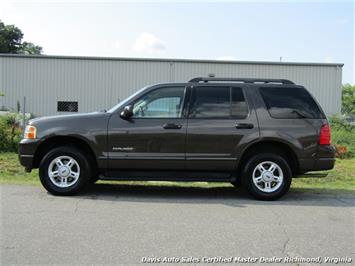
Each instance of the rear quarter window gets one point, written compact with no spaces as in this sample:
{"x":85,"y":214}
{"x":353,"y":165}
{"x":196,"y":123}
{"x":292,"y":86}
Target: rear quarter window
{"x":290,"y":102}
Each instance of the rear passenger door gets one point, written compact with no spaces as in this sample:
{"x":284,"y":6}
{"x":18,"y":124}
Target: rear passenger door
{"x":221,"y":121}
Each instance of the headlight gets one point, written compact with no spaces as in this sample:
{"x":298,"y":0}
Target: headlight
{"x":30,"y":132}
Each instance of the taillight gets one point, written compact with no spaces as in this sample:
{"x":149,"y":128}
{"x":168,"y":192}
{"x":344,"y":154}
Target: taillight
{"x":324,"y":136}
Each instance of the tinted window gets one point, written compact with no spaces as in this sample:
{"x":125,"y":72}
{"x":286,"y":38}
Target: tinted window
{"x":210,"y":102}
{"x":239,"y":108}
{"x":290,"y":103}
{"x":218,"y":102}
{"x":160,"y":103}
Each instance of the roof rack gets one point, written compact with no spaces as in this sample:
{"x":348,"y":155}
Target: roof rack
{"x":245,"y":80}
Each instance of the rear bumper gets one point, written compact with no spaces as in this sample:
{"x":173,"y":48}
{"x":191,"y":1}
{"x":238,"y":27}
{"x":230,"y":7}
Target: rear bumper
{"x":326,"y":158}
{"x":323,"y":160}
{"x":324,"y":164}
{"x":26,"y":152}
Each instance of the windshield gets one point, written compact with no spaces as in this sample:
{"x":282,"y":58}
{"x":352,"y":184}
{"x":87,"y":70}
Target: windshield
{"x":125,"y":101}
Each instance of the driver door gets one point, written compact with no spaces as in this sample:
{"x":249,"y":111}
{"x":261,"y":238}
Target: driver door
{"x":154,"y":137}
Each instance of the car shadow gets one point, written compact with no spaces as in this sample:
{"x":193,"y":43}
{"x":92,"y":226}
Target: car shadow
{"x":213,"y":195}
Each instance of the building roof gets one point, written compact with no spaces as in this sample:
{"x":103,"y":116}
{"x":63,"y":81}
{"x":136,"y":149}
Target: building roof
{"x":172,"y":60}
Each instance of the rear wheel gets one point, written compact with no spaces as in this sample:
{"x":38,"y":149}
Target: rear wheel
{"x":64,"y":171}
{"x":267,"y":176}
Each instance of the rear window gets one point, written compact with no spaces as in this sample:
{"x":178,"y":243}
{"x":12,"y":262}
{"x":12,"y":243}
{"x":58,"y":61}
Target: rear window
{"x":290,"y":103}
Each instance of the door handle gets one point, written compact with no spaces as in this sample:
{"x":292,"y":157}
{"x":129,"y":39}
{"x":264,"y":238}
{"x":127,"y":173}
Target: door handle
{"x":244,"y":126}
{"x":172,"y":126}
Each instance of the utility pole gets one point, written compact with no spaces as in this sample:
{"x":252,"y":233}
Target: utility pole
{"x":24,"y":114}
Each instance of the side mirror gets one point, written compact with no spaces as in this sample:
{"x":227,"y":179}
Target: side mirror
{"x":127,"y":112}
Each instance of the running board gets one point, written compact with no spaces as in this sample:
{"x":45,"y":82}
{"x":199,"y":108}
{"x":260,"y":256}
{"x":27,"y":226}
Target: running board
{"x":313,"y":175}
{"x":166,"y":176}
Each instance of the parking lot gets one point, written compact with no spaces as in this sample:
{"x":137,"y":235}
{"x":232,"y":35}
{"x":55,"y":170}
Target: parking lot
{"x":112,"y":224}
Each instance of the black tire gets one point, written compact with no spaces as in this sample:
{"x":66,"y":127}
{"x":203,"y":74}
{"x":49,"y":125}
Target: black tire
{"x":84,"y":173}
{"x":247,"y":176}
{"x":237,"y":183}
{"x":94,"y":179}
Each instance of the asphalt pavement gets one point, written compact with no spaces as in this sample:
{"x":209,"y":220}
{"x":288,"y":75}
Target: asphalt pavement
{"x":121,"y":224}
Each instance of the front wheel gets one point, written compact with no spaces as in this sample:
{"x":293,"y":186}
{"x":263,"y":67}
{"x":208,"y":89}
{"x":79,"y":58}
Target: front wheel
{"x":267,"y":176}
{"x":64,"y":171}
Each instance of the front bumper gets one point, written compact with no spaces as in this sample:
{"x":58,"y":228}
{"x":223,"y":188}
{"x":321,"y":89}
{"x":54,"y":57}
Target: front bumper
{"x":26,"y":161}
{"x":26,"y":151}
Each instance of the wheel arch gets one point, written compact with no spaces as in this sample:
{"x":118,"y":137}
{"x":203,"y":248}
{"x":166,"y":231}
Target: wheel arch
{"x":58,"y":141}
{"x":273,"y":146}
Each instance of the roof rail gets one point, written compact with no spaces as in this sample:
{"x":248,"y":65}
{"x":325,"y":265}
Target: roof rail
{"x":245,"y":80}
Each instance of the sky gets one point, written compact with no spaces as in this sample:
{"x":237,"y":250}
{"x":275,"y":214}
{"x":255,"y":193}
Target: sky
{"x":297,"y":31}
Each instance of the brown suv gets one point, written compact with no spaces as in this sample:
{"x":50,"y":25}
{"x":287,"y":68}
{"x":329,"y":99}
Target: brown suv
{"x":258,"y":133}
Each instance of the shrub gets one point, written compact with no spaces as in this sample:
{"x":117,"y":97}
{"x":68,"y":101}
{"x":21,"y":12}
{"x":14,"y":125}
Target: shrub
{"x":10,"y":133}
{"x":342,"y":152}
{"x":343,"y":137}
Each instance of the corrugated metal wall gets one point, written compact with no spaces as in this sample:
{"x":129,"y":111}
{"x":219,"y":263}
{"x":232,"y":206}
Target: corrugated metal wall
{"x":98,"y":83}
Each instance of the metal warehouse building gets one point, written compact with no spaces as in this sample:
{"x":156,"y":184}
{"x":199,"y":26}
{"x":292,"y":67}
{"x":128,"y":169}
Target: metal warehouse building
{"x":53,"y":84}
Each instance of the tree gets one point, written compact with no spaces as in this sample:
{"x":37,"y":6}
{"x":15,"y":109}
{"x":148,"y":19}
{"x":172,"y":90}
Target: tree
{"x":11,"y":41}
{"x":348,"y":99}
{"x":30,"y":48}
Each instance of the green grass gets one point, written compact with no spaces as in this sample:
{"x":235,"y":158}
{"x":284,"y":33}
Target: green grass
{"x":13,"y":173}
{"x":340,"y":179}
